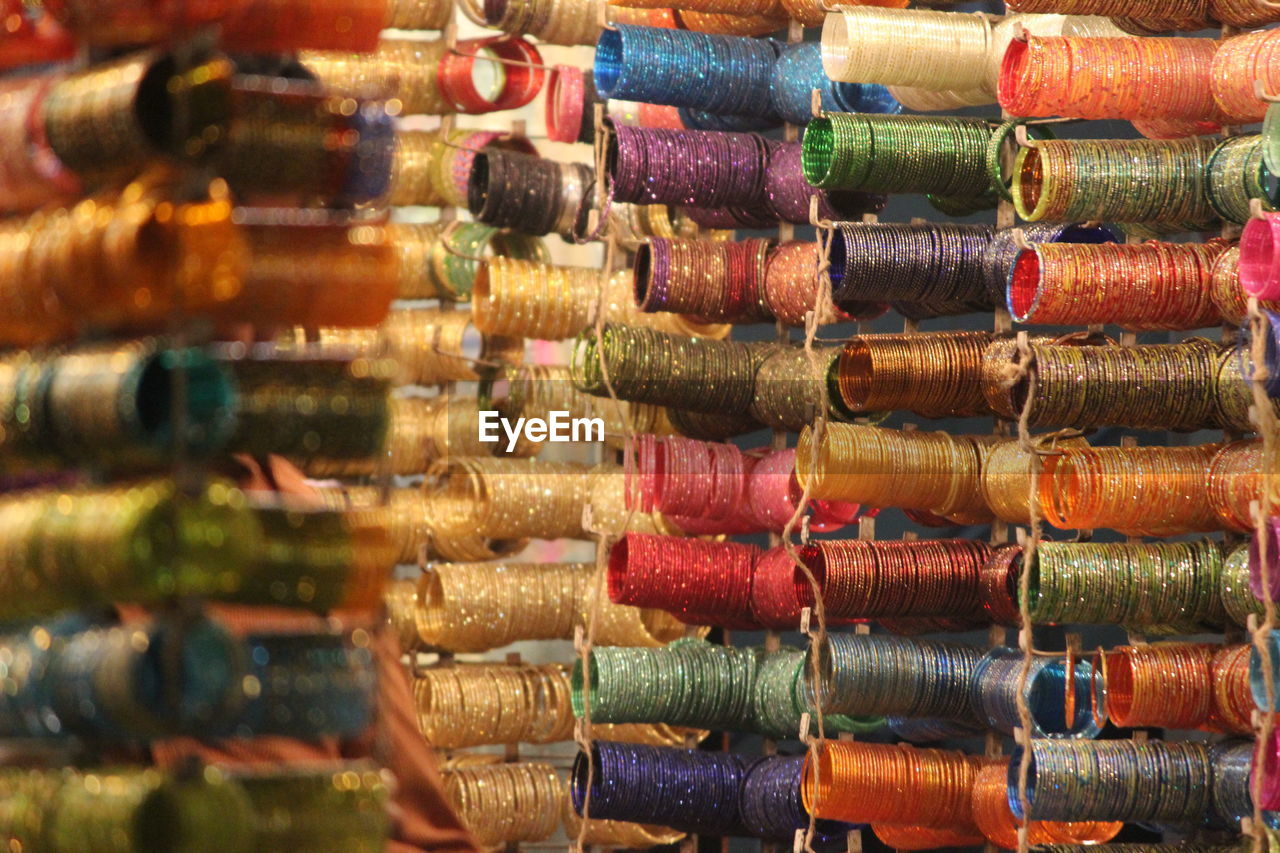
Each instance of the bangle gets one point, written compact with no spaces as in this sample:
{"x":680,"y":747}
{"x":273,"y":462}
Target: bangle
{"x":506,"y":803}
{"x":934,"y":375}
{"x":923,"y":270}
{"x":892,"y":784}
{"x":917,"y":470}
{"x":475,"y":607}
{"x":993,"y":816}
{"x":1165,"y":79}
{"x":898,"y":154}
{"x":798,"y":71}
{"x":1117,"y":780}
{"x":1151,"y":285}
{"x":1063,"y":180}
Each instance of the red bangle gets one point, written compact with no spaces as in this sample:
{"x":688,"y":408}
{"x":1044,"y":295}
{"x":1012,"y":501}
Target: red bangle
{"x":521,"y":83}
{"x":699,"y":582}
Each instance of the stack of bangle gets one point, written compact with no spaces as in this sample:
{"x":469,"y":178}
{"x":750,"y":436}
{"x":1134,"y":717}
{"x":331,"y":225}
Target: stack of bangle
{"x":441,"y":261}
{"x":645,"y":366}
{"x":1000,"y":254}
{"x":890,"y":784}
{"x":993,"y":816}
{"x":1174,"y":685}
{"x":404,"y":69}
{"x":705,"y":169}
{"x":127,"y":542}
{"x":479,"y":704}
{"x":1236,"y":177}
{"x":112,"y":405}
{"x":862,"y":579}
{"x":525,"y":299}
{"x":1147,"y":286}
{"x":1055,"y":693}
{"x":700,"y":790}
{"x":1142,"y":491}
{"x":871,"y":674}
{"x":572,"y":23}
{"x":1150,"y":386}
{"x":715,"y":280}
{"x":1240,"y":63}
{"x":934,"y":375}
{"x":309,"y":408}
{"x":948,"y":50}
{"x":689,"y":683}
{"x":793,"y":386}
{"x":945,"y":157}
{"x":1166,"y":587}
{"x":1153,"y":782}
{"x":701,"y":583}
{"x":930,"y":471}
{"x":429,"y":346}
{"x":722,"y":75}
{"x":1170,"y":79}
{"x":922,"y":270}
{"x":1158,"y":183}
{"x":799,"y":71}
{"x":475,"y":607}
{"x":532,"y":195}
{"x":506,"y":803}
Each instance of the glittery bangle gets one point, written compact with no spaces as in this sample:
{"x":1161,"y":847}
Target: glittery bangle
{"x":731,"y":75}
{"x":1165,"y":78}
{"x":923,"y":270}
{"x":576,"y":22}
{"x":1152,"y":782}
{"x":880,"y":579}
{"x":934,"y":375}
{"x":898,"y":154}
{"x":1125,"y":578}
{"x":1070,"y":180}
{"x":918,"y":470}
{"x":695,"y":168}
{"x":1151,"y":285}
{"x":713,"y":279}
{"x":31,"y":175}
{"x":1094,"y":386}
{"x":1236,"y":177}
{"x":892,"y":784}
{"x":771,"y":806}
{"x":533,"y":195}
{"x":872,"y":674}
{"x":945,"y":50}
{"x":685,"y":789}
{"x":566,"y":104}
{"x":799,"y":71}
{"x":1000,"y":254}
{"x":787,"y":193}
{"x":992,"y":814}
{"x":700,"y":582}
{"x":1138,"y":689}
{"x":1238,"y":63}
{"x":506,"y":803}
{"x":646,"y":366}
{"x":1259,"y":274}
{"x":1052,"y":686}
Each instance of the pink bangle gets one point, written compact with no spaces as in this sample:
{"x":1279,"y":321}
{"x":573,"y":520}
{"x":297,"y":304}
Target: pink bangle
{"x":565,"y":103}
{"x":1258,"y":273}
{"x":1272,"y":528}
